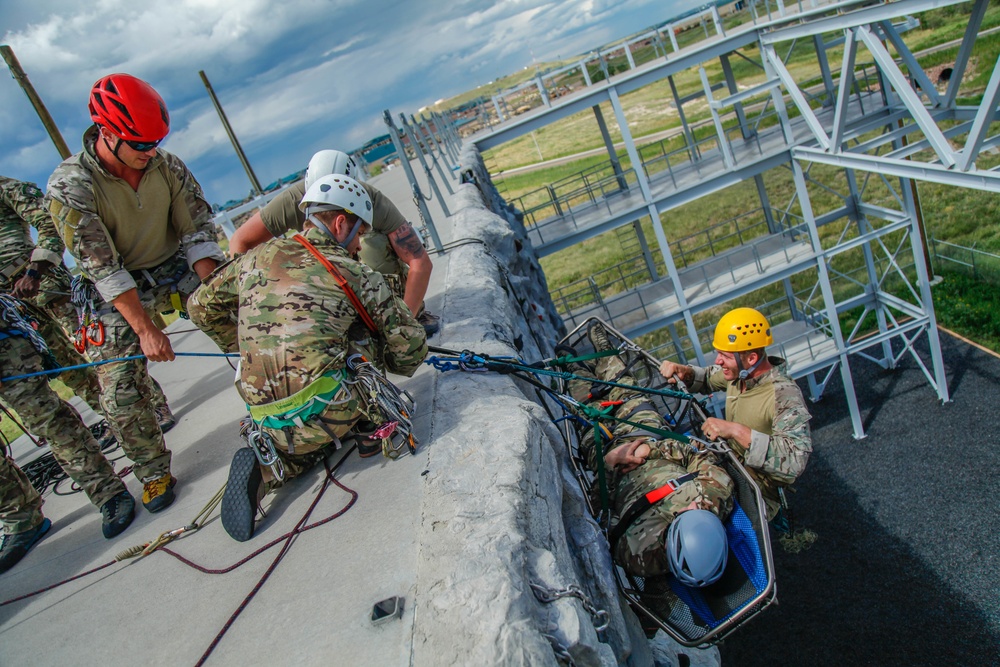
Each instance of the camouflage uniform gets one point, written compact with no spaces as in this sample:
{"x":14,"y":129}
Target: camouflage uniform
{"x":641,"y":551}
{"x":773,"y":408}
{"x":293,"y":325}
{"x":45,"y":414}
{"x":20,"y":206}
{"x":20,"y":504}
{"x":123,"y":239}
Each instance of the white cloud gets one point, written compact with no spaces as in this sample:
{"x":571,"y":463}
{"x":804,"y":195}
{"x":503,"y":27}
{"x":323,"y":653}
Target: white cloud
{"x":292,"y":76}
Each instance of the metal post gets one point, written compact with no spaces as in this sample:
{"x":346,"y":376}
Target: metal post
{"x":420,"y":126}
{"x":654,"y":215}
{"x":232,"y":136}
{"x":36,"y":101}
{"x":719,"y":30}
{"x":828,"y":299}
{"x":688,"y":135}
{"x":628,"y":56}
{"x":418,"y":198}
{"x":741,"y":117}
{"x":824,"y":69}
{"x":873,"y":279}
{"x":610,"y":147}
{"x":544,"y":94}
{"x":448,"y":139}
{"x":427,"y":170}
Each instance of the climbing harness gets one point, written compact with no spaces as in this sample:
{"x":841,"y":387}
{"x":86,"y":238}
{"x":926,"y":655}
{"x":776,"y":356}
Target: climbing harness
{"x":643,"y":504}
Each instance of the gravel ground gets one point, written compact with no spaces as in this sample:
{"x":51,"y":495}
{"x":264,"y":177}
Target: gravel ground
{"x":906,"y":570}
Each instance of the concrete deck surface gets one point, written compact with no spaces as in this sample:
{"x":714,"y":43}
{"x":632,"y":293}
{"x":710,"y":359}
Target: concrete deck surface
{"x":315,"y":606}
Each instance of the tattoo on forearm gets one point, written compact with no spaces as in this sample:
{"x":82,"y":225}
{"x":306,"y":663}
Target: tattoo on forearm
{"x":406,"y":239}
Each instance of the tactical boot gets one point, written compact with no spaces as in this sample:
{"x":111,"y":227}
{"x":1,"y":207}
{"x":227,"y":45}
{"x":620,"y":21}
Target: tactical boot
{"x":599,"y":337}
{"x":368,"y":445}
{"x":16,"y":546}
{"x":165,"y":418}
{"x":118,"y":513}
{"x":431,"y":323}
{"x":158,"y":494}
{"x":242,"y":497}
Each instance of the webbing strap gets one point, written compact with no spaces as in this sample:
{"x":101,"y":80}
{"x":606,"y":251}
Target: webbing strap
{"x":352,"y":297}
{"x":325,"y":386}
{"x":640,"y":506}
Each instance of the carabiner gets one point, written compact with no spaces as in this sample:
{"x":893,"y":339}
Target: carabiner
{"x":80,"y":340}
{"x":98,"y":338}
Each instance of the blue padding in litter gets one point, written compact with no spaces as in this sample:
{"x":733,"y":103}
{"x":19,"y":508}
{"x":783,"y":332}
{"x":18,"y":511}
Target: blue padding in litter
{"x":743,"y":544}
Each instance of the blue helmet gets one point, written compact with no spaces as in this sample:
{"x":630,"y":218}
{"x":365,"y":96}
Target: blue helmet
{"x":697,"y":549}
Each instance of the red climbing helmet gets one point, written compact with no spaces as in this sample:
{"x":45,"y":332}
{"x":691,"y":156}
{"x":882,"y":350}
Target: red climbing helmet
{"x":130,"y":108}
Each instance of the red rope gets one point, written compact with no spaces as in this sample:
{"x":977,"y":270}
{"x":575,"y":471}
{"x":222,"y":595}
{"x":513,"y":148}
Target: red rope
{"x":49,"y":588}
{"x":287,"y":538}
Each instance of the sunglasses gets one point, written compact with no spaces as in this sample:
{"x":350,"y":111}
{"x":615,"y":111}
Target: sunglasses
{"x":142,"y":146}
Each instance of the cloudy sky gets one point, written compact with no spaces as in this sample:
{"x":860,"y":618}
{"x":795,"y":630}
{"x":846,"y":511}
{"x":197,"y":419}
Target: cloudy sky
{"x":293,"y":76}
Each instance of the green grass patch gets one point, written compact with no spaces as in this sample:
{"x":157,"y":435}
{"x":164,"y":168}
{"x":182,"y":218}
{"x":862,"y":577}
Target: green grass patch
{"x":969,"y":307}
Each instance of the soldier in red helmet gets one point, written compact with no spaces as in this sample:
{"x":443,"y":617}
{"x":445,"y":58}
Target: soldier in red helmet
{"x":138,"y":226}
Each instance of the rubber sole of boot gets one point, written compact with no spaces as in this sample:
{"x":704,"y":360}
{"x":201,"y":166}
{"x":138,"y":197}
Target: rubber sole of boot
{"x":239,"y":502}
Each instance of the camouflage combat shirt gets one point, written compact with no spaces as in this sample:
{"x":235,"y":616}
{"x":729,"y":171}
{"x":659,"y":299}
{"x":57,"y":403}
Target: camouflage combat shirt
{"x":21,"y":206}
{"x":282,"y":214}
{"x":111,"y":229}
{"x":773,"y":408}
{"x":292,"y":323}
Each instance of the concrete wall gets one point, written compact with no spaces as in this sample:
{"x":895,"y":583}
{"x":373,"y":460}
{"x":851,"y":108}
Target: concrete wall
{"x":502,"y":510}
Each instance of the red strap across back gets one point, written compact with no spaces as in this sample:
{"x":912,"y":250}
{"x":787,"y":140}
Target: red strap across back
{"x":352,"y":297}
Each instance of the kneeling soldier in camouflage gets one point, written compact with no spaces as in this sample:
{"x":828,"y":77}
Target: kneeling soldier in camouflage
{"x":296,"y":309}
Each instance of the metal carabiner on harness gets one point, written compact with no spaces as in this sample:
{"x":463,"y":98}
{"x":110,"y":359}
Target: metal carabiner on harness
{"x":262,"y":445}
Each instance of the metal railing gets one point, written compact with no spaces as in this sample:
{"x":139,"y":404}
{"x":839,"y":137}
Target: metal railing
{"x":980,"y":264}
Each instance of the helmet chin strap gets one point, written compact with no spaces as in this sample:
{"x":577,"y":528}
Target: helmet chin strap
{"x":114,"y":151}
{"x":745,"y":374}
{"x":326,"y":230}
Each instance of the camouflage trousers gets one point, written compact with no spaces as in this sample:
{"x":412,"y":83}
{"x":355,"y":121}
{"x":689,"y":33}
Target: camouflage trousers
{"x":128,"y":396}
{"x":45,"y":414}
{"x":302,"y":447}
{"x":20,"y":504}
{"x":641,"y":550}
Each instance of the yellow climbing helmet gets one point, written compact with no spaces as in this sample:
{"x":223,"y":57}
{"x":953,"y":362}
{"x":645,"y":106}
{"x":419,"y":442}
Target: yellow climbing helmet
{"x":741,"y":330}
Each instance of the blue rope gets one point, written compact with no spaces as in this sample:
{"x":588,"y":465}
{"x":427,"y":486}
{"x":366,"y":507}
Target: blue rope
{"x":56,"y":371}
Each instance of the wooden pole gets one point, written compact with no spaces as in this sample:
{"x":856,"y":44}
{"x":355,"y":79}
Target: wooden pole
{"x":232,"y":136}
{"x":36,"y":101}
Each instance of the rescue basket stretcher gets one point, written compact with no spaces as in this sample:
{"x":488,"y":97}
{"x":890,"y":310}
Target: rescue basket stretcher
{"x":692,"y":616}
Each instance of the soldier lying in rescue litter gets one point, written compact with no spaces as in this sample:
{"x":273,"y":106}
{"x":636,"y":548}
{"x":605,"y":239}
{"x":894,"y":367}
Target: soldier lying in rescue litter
{"x":297,"y":309}
{"x":682,"y":532}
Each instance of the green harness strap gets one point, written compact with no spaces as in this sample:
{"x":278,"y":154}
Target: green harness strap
{"x":301,"y":406}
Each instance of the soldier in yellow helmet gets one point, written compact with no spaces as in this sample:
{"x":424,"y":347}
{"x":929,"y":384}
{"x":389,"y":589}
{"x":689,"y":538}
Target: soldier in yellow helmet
{"x":767,"y":423}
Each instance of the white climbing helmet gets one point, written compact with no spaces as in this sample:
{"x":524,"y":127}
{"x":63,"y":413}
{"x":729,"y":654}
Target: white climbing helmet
{"x":334,"y":192}
{"x":329,"y":162}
